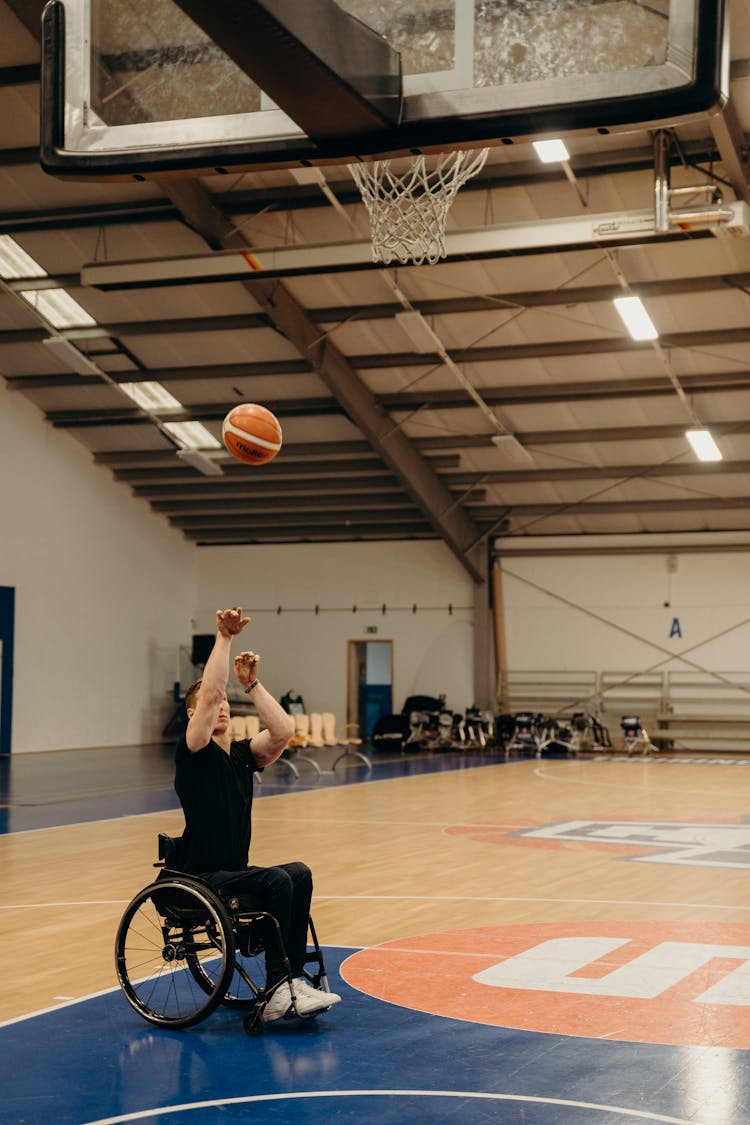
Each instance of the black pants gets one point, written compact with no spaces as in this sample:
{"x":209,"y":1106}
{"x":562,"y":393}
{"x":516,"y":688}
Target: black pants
{"x":284,"y":892}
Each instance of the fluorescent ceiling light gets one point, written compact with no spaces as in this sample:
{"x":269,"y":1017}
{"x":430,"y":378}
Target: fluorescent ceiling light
{"x":201,"y":462}
{"x":551,"y":152}
{"x":55,"y":305}
{"x":58,"y":308}
{"x":15,"y":262}
{"x":151,"y":396}
{"x":635,"y":318}
{"x":703,"y":444}
{"x":192,"y":435}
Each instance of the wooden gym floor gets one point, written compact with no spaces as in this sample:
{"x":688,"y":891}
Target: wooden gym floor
{"x":536,"y":941}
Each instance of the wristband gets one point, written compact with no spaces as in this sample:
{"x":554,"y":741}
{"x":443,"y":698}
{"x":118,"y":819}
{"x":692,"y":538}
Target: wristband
{"x":250,"y":687}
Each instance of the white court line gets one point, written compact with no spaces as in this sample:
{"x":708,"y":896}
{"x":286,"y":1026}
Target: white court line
{"x":114,"y":989}
{"x":258,"y":796}
{"x":516,"y":898}
{"x":643,"y":1115}
{"x":58,"y":1007}
{"x":320,"y":897}
{"x":546,"y":774}
{"x":80,"y":902}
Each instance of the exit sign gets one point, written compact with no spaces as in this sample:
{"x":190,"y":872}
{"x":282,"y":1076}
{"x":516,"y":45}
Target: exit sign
{"x":371,"y":628}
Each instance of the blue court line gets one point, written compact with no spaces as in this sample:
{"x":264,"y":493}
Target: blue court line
{"x":134,"y":802}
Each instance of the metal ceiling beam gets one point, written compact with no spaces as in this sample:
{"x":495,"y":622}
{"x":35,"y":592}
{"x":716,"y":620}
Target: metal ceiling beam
{"x":477,"y":302}
{"x":653,"y":386}
{"x":239,"y":491}
{"x":511,"y":352}
{"x":527,"y":438}
{"x":704,"y":383}
{"x":518,"y":550}
{"x":98,"y":215}
{"x":307,"y":451}
{"x":11,"y":157}
{"x":542,"y":236}
{"x":467,"y":478}
{"x":256,"y":532}
{"x":125,"y":458}
{"x":537,"y":298}
{"x":707,"y":504}
{"x":688,"y":468}
{"x":23,"y":75}
{"x":350,"y":520}
{"x":522,"y":394}
{"x":136,"y":328}
{"x":169,"y":497}
{"x":181,"y":475}
{"x":532,"y":438}
{"x":335,"y":500}
{"x":278,"y":536}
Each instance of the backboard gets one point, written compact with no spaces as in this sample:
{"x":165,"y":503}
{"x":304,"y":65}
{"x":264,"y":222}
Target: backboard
{"x":136,"y":88}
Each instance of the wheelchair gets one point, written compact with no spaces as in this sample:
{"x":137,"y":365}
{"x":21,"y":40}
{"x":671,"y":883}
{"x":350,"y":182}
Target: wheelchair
{"x":635,"y":736}
{"x":182,"y":950}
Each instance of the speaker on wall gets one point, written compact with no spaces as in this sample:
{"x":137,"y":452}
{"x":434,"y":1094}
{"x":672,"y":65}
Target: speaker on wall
{"x":202,"y":645}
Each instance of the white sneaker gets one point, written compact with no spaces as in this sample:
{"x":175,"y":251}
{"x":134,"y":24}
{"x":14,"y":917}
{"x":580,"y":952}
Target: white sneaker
{"x":303,"y":987}
{"x":279,"y":1004}
{"x":306,"y":1002}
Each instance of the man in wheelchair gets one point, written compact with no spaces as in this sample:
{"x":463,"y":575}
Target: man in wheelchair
{"x":214,"y":782}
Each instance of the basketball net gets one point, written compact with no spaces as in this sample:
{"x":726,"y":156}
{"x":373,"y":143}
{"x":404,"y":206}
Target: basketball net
{"x":408,"y":211}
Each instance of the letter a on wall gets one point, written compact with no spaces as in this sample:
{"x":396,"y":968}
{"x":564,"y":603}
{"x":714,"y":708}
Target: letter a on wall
{"x":676,"y":630}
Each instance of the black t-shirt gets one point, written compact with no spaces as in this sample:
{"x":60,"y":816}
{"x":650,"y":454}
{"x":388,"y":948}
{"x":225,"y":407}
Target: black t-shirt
{"x":216,"y":794}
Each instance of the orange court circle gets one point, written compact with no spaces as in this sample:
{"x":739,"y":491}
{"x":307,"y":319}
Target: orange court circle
{"x":434,"y":973}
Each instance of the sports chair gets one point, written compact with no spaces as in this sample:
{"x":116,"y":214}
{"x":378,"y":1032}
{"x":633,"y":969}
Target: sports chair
{"x":182,"y":949}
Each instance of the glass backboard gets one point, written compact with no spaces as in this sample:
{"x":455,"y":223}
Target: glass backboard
{"x":135,"y":88}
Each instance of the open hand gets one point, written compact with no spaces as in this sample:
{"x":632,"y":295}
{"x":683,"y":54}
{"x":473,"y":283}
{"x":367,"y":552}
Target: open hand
{"x":230,"y":622}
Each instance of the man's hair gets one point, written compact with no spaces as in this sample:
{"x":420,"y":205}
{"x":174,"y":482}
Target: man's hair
{"x":191,"y":695}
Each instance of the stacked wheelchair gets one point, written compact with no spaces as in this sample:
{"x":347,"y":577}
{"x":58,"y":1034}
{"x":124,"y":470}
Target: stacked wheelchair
{"x":182,"y":950}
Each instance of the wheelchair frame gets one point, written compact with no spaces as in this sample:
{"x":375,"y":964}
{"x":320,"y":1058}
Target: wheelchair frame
{"x":182,"y":950}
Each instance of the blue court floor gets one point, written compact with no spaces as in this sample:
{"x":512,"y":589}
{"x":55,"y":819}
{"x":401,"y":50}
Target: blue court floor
{"x":364,"y":1061}
{"x":75,"y":786}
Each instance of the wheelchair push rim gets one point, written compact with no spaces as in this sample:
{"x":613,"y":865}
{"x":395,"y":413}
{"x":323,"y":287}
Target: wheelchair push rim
{"x":174,"y":953}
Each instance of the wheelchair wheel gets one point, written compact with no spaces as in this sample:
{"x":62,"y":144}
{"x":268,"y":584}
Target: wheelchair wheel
{"x":174,"y":952}
{"x":248,"y":976}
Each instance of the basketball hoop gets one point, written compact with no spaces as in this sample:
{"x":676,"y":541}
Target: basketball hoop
{"x":408,"y":211}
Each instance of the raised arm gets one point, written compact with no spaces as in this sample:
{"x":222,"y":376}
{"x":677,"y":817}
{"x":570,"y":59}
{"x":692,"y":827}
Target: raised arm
{"x":270,"y":743}
{"x":203,"y":718}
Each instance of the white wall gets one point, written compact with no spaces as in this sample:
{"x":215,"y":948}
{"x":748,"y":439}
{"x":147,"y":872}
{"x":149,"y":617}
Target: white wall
{"x":105,"y":592}
{"x":432,"y":648}
{"x":618,"y":612}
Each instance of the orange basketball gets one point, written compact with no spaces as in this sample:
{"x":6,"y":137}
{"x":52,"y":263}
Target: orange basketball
{"x":251,"y":433}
